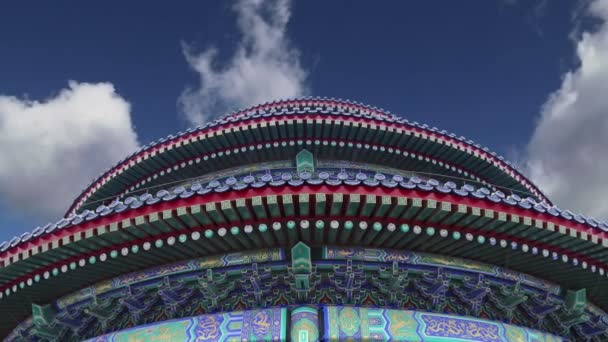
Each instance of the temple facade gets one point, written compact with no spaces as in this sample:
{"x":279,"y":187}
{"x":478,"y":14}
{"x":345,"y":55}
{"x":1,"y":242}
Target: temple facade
{"x":305,"y":220}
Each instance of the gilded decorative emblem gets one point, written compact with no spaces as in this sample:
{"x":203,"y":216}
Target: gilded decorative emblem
{"x":455,"y":262}
{"x":208,"y":328}
{"x":165,"y":332}
{"x":103,"y":286}
{"x":261,"y":255}
{"x":515,"y":334}
{"x":401,"y":258}
{"x":152,"y":273}
{"x":460,"y":328}
{"x":210,"y":263}
{"x":261,"y":323}
{"x":346,"y":253}
{"x":402,"y":324}
{"x":349,"y":321}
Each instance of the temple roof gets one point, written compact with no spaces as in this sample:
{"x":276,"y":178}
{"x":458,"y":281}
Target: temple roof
{"x":257,"y":210}
{"x":346,"y":124}
{"x":362,"y":178}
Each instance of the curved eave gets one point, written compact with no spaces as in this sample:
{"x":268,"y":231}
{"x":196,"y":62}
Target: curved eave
{"x":343,"y":149}
{"x":552,"y":248}
{"x":264,"y":125}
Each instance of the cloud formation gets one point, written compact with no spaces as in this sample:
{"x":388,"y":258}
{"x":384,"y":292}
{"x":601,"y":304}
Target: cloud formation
{"x":568,"y":152}
{"x":264,"y":67}
{"x":50,"y":150}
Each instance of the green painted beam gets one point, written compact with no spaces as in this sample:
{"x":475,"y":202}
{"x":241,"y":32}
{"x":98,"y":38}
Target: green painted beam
{"x":273,"y":206}
{"x":200,"y":215}
{"x":428,"y":209}
{"x":243,"y":210}
{"x":412,"y":210}
{"x":320,"y":204}
{"x":158,"y":223}
{"x":170,"y":217}
{"x":184,"y":215}
{"x":259,"y":210}
{"x":288,"y":206}
{"x":336,"y":204}
{"x":398,"y":208}
{"x":304,"y":204}
{"x":445,"y":209}
{"x":229,"y":212}
{"x":383,"y":207}
{"x":352,"y":207}
{"x":213,"y":213}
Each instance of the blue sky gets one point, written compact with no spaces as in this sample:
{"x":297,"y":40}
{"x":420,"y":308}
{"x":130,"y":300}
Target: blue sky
{"x":484,"y":69}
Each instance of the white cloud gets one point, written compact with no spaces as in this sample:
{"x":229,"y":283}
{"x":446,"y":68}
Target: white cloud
{"x":51,"y":149}
{"x":568,"y":152}
{"x":264,"y":66}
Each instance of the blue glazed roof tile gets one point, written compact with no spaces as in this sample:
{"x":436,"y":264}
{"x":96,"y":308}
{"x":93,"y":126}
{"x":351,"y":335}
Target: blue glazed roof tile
{"x":379,"y":177}
{"x":553,"y":211}
{"x":152,"y":200}
{"x":25,"y":236}
{"x":478,"y":194}
{"x":315,"y":181}
{"x":145,"y":197}
{"x":240,"y":186}
{"x":494,"y":198}
{"x":443,"y":189}
{"x":38,"y":231}
{"x":178,"y":190}
{"x":62,"y":223}
{"x":432,"y":182}
{"x":524,"y":205}
{"x":136,"y":204}
{"x":484,"y":191}
{"x":592,"y":222}
{"x":353,"y":182}
{"x":14,"y":241}
{"x":223,"y":188}
{"x":162,"y":193}
{"x":120,"y":208}
{"x":203,"y":191}
{"x":295,"y":182}
{"x":371,"y":182}
{"x":579,"y":218}
{"x":76,"y":220}
{"x":468,"y":188}
{"x":129,"y":200}
{"x":509,"y":200}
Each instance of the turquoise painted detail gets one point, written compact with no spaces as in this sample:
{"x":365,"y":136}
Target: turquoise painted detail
{"x":251,"y":325}
{"x":305,"y":161}
{"x":304,"y":324}
{"x":375,"y":324}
